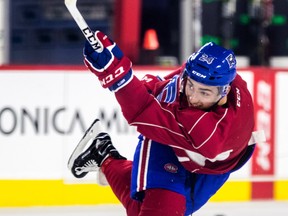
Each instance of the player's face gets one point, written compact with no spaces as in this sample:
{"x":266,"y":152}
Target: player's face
{"x":201,"y":96}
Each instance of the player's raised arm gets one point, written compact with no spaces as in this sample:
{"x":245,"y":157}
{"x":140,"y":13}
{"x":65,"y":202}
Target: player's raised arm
{"x":114,"y":71}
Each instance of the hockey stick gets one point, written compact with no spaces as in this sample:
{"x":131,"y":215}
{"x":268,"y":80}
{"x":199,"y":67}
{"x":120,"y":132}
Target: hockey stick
{"x":95,"y":127}
{"x":72,"y":8}
{"x":90,"y":134}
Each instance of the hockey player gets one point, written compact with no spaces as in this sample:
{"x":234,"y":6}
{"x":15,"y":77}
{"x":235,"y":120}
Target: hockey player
{"x":195,"y":126}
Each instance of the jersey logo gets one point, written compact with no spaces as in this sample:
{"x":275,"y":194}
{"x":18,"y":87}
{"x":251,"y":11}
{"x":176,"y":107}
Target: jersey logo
{"x":201,"y":159}
{"x":170,"y":167}
{"x":238,"y":96}
{"x":169,"y":92}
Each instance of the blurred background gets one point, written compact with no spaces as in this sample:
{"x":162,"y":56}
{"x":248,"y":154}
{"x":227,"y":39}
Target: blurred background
{"x":149,"y":31}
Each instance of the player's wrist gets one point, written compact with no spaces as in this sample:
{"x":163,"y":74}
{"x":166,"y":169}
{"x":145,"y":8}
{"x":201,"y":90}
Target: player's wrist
{"x":122,"y":82}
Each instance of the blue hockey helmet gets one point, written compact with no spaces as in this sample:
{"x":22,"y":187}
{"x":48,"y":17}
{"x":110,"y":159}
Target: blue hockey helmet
{"x":212,"y":65}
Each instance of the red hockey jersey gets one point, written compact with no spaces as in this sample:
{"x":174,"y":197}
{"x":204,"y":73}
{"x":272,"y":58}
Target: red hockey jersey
{"x":208,"y":142}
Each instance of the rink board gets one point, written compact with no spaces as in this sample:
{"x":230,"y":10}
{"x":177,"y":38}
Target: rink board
{"x":44,"y":111}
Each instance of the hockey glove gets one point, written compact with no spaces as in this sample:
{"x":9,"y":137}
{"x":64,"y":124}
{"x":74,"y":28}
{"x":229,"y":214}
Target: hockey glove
{"x":112,"y":68}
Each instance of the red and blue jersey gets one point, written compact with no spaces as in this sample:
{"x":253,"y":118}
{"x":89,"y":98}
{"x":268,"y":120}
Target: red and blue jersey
{"x":207,"y":142}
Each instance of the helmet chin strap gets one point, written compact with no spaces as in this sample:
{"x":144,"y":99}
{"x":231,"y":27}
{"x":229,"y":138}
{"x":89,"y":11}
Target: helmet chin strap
{"x":182,"y":98}
{"x":217,"y":102}
{"x":223,"y":94}
{"x":221,"y":97}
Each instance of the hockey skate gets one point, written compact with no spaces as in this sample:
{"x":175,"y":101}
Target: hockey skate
{"x":83,"y":161}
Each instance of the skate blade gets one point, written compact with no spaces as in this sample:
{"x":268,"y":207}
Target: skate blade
{"x":90,"y":134}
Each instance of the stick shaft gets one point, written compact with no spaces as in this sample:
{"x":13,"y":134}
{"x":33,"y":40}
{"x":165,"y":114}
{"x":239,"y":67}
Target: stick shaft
{"x":89,"y":35}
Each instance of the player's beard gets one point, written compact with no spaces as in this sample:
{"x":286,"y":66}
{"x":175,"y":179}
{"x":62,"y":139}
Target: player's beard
{"x":197,"y":105}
